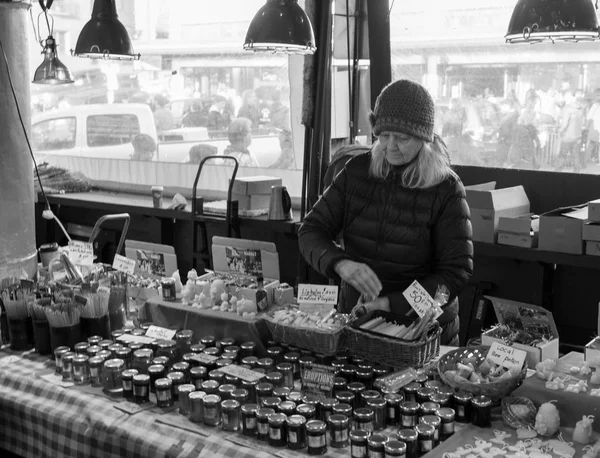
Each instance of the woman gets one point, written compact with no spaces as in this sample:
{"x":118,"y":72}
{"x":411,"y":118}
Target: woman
{"x":402,"y":212}
{"x":240,"y":138}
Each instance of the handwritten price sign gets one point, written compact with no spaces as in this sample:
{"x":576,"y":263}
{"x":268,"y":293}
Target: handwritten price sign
{"x":123,"y":264}
{"x":204,"y":359}
{"x":160,"y":333}
{"x":242,"y":373}
{"x":81,"y":253}
{"x":318,"y":294}
{"x":506,"y":356}
{"x":418,"y":298}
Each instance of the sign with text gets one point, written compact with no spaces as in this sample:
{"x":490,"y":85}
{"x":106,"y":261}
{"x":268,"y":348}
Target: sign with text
{"x":317,"y":380}
{"x":241,"y":373}
{"x":244,"y":261}
{"x":420,"y":300}
{"x":123,"y":264}
{"x":204,"y":359}
{"x":159,"y":333}
{"x":505,"y":356}
{"x":81,"y":253}
{"x":317,"y":298}
{"x":131,"y":338}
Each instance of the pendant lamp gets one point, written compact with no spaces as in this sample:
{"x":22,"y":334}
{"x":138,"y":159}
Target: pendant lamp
{"x":52,"y":70}
{"x":535,"y":21}
{"x":104,"y":36}
{"x":281,"y":26}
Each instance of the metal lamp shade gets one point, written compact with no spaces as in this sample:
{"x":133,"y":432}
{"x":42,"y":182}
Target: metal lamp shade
{"x":535,"y":21}
{"x":104,"y":36}
{"x":52,"y":70}
{"x":281,"y":26}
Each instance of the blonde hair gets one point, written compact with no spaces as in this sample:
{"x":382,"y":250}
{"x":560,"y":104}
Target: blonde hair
{"x":429,"y":168}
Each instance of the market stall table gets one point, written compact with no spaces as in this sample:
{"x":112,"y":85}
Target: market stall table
{"x":206,"y":322}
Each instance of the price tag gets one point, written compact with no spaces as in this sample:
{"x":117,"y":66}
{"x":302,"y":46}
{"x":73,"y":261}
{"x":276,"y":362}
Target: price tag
{"x":506,"y":356}
{"x":81,"y":253}
{"x":318,"y":380}
{"x":160,"y":333}
{"x":204,"y":359}
{"x":56,"y":379}
{"x":132,"y":408}
{"x":318,"y":294}
{"x":242,"y":373}
{"x":123,"y":264}
{"x":141,"y":339}
{"x":418,"y":298}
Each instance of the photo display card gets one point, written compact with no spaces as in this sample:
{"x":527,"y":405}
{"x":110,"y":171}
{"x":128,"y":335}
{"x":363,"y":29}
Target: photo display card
{"x":244,"y":261}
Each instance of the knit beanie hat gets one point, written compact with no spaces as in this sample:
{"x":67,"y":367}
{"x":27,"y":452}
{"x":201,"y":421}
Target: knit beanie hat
{"x":405,"y":107}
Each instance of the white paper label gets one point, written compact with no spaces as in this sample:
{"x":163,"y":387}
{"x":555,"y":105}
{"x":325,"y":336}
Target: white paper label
{"x":81,"y":253}
{"x":205,"y":359}
{"x":506,"y":356}
{"x":318,"y":294}
{"x":131,"y":338}
{"x":160,"y":333}
{"x":242,"y":373}
{"x":418,"y":298}
{"x":56,"y":379}
{"x":123,"y":264}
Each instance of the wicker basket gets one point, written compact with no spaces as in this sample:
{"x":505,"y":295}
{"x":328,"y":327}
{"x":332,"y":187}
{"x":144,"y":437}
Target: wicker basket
{"x":389,"y":351}
{"x":316,"y":340}
{"x":518,"y":412}
{"x":495,"y":390}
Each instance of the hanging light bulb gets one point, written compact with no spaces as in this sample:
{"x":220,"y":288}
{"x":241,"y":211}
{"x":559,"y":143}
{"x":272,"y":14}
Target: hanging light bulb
{"x":52,"y":70}
{"x":104,"y":36}
{"x":281,"y":26}
{"x":535,"y":21}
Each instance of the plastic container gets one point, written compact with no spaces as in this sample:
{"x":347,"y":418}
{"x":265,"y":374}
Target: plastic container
{"x":95,"y":327}
{"x":65,"y":336}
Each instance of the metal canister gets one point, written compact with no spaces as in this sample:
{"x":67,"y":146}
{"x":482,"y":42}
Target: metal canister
{"x":92,"y":350}
{"x":58,"y":352}
{"x":156,"y":371}
{"x":183,"y":393}
{"x":197,"y":375}
{"x":231,"y":415}
{"x":111,"y":376}
{"x":197,"y":406}
{"x":142,"y":359}
{"x":95,"y":366}
{"x":81,"y":347}
{"x":127,"y":378}
{"x":66,"y":362}
{"x":169,"y":292}
{"x":212,"y":410}
{"x":81,"y":372}
{"x":141,"y":388}
{"x":164,"y":392}
{"x":178,"y":379}
{"x":125,"y":354}
{"x":210,"y":387}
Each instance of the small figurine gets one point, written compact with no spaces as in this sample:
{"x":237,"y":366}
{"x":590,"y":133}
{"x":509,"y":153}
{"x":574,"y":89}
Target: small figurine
{"x":547,"y":420}
{"x":178,"y":285}
{"x":544,"y":369}
{"x":583,"y":430}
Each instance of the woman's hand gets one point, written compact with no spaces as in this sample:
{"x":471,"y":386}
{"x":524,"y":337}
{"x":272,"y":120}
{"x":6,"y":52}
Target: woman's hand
{"x":360,"y":276}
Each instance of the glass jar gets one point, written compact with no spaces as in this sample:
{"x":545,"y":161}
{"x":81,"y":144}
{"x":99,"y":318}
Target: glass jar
{"x":168,"y":348}
{"x":338,"y":364}
{"x":111,"y":375}
{"x":183,"y":367}
{"x":379,"y":407}
{"x":105,"y":343}
{"x":357,"y":389}
{"x":276,"y":354}
{"x":263,"y":390}
{"x":141,"y":388}
{"x":446,"y":415}
{"x":184,"y":340}
{"x":210,"y":387}
{"x":142,"y":359}
{"x":435,"y":384}
{"x":197,"y":406}
{"x":249,"y":427}
{"x":294,"y":359}
{"x":81,"y":371}
{"x":272,"y":402}
{"x":156,"y":371}
{"x":94,"y":340}
{"x":426,"y":437}
{"x":275,"y":379}
{"x":339,"y":430}
{"x":247,"y":349}
{"x":364,"y":376}
{"x":376,"y":445}
{"x":424,"y":394}
{"x":208,"y":341}
{"x":339,"y":384}
{"x":126,"y":355}
{"x":367,"y":395}
{"x":326,"y":408}
{"x":164,"y":392}
{"x":395,"y":449}
{"x":346,"y":397}
{"x":287,"y":371}
{"x":66,"y":361}
{"x":104,"y":354}
{"x":127,"y":377}
{"x":287,"y":407}
{"x":348,"y":371}
{"x":421,"y":378}
{"x":177,"y":379}
{"x":250,"y":386}
{"x":197,"y":348}
{"x":281,"y":392}
{"x":197,"y":375}
{"x":277,"y":432}
{"x":266,"y":363}
{"x":306,"y":362}
{"x":308,"y":411}
{"x":462,"y":406}
{"x":95,"y":366}
{"x":481,"y":411}
{"x":436,"y":422}
{"x":262,"y":423}
{"x":217,"y":375}
{"x":411,"y":439}
{"x":410,"y":392}
{"x":343,"y":409}
{"x":81,"y":348}
{"x":315,"y":437}
{"x":295,"y":396}
{"x":296,"y":432}
{"x":240,"y":395}
{"x":226,"y":390}
{"x":184,"y":392}
{"x":441,"y":399}
{"x":409,"y":414}
{"x":113,"y":349}
{"x":358,"y":443}
{"x":162,"y":360}
{"x":428,"y":408}
{"x":58,"y":352}
{"x":92,"y":350}
{"x":231,"y":415}
{"x":226,"y":342}
{"x":393,"y":401}
{"x":212,"y":410}
{"x":363,"y":419}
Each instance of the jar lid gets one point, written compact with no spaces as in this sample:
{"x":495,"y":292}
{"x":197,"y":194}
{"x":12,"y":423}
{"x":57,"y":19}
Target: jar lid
{"x":410,"y":406}
{"x":316,"y":426}
{"x":281,"y":391}
{"x":364,"y":412}
{"x":250,"y":408}
{"x":95,"y":361}
{"x":377,"y":439}
{"x":424,"y":429}
{"x":250,"y":360}
{"x":343,"y":408}
{"x":377,"y":402}
{"x":310,"y":399}
{"x":216,"y":374}
{"x":213,"y":351}
{"x":435,"y":384}
{"x":141,"y":378}
{"x":412,"y":387}
{"x":163,"y":383}
{"x":296,"y":420}
{"x":393,"y":398}
{"x":166,"y":344}
{"x":231,"y":349}
{"x":129,"y":373}
{"x":407,"y":435}
{"x":176,"y":376}
{"x":210,"y":384}
{"x":338,"y":420}
{"x":356,"y":386}
{"x":135,"y":345}
{"x":80,"y":359}
{"x":167,"y":281}
{"x":432,"y":420}
{"x":81,"y":345}
{"x":274,"y":350}
{"x":284,"y":367}
{"x":287,"y":405}
{"x":277,"y":418}
{"x":211,"y":399}
{"x":105,"y":342}
{"x":93,"y":340}
{"x":395,"y":447}
{"x":424,"y":391}
{"x":295,"y":396}
{"x":230,"y":404}
{"x":186,"y":388}
{"x":440,"y":398}
{"x":345,"y":396}
{"x":446,"y":413}
{"x":239,"y":393}
{"x":421,"y":378}
{"x":359,"y":435}
{"x":184,"y":334}
{"x":370,"y":394}
{"x":137,"y":332}
{"x":274,"y":376}
{"x":207,"y":339}
{"x":364,"y":365}
{"x":380,"y":370}
{"x":227,"y":388}
{"x":328,"y":403}
{"x":104,"y":354}
{"x":181,"y":366}
{"x":430,"y":406}
{"x":197,"y":348}
{"x":364,"y":372}
{"x":265,"y":362}
{"x":463,"y":396}
{"x":291,"y":356}
{"x":61,"y":350}
{"x":159,"y":360}
{"x":224,"y":362}
{"x":142,"y":353}
{"x":226,"y":342}
{"x":307,"y":359}
{"x":248,"y":345}
{"x":48,"y":247}
{"x":271,"y":401}
{"x":112,"y":365}
{"x":481,"y":401}
{"x":250,"y":383}
{"x":338,"y":363}
{"x":264,"y":386}
{"x":196,"y":394}
{"x":306,"y":409}
{"x":114,"y":347}
{"x":122,"y":352}
{"x":264,"y":412}
{"x":156,"y":368}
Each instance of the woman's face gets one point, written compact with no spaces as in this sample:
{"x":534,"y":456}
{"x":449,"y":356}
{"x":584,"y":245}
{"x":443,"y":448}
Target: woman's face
{"x":399,"y":148}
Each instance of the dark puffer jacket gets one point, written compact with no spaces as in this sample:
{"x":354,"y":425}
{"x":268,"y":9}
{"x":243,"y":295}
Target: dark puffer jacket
{"x":402,"y":234}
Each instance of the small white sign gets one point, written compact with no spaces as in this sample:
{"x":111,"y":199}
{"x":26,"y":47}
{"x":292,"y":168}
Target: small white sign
{"x":242,"y":373}
{"x":318,"y":294}
{"x":131,"y":338}
{"x":123,"y":264}
{"x":160,"y":333}
{"x":506,"y":356}
{"x":203,"y":358}
{"x":418,"y":298}
{"x":81,"y":253}
{"x":56,"y":379}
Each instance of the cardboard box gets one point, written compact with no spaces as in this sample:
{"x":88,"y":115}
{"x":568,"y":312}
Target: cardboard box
{"x":591,"y":231}
{"x":561,"y":230}
{"x":488,"y":204}
{"x":528,"y":317}
{"x":248,"y":186}
{"x":521,"y":231}
{"x":520,"y":240}
{"x":590,"y":352}
{"x":592,"y":248}
{"x":594,"y":210}
{"x":253,"y":202}
{"x":152,"y":259}
{"x":222,"y":247}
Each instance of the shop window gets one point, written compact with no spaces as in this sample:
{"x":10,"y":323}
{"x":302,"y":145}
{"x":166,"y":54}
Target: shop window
{"x":111,"y":130}
{"x":54,"y":134}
